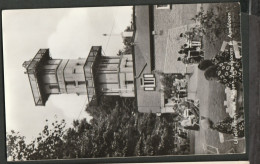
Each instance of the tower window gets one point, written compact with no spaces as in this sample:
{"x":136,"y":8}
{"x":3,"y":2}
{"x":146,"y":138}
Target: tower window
{"x":70,"y":83}
{"x":129,"y":82}
{"x":82,"y":83}
{"x":49,"y":71}
{"x":104,"y":60}
{"x":103,"y":66}
{"x":53,"y":86}
{"x":163,"y":6}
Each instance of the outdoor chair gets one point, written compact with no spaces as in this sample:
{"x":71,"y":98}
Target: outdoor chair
{"x":187,"y":113}
{"x":214,"y":150}
{"x":210,"y":149}
{"x":236,"y":46}
{"x":231,"y":151}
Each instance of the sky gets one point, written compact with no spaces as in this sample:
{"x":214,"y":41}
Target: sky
{"x":69,"y":34}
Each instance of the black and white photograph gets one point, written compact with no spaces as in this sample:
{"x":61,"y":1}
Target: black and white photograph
{"x":123,"y":81}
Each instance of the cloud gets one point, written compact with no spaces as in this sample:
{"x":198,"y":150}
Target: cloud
{"x":70,"y":106}
{"x":82,"y":28}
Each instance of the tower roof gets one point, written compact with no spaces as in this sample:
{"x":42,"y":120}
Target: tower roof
{"x":90,"y":69}
{"x":33,"y":71}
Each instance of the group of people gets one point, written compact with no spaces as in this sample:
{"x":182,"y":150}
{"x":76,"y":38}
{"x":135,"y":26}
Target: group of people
{"x":225,"y":68}
{"x":190,"y":119}
{"x":188,"y":114}
{"x":191,"y":51}
{"x":181,"y":88}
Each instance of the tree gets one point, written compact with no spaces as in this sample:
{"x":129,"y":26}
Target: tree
{"x":49,"y":143}
{"x":212,"y":24}
{"x":116,"y":130}
{"x":16,"y":146}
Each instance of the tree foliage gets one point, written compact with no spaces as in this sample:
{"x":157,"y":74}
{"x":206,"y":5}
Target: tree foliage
{"x":213,"y":21}
{"x":16,"y":146}
{"x":116,"y":130}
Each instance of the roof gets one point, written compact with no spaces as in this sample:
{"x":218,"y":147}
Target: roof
{"x":90,"y":69}
{"x":147,"y":101}
{"x":34,"y":74}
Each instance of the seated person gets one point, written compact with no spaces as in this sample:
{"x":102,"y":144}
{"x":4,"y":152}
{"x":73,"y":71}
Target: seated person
{"x":189,"y":124}
{"x":192,"y":34}
{"x":182,"y":135}
{"x":180,"y":83}
{"x":189,"y":105}
{"x":178,"y":76}
{"x":182,"y":93}
{"x":184,"y":60}
{"x":183,"y":51}
{"x":187,"y":35}
{"x":196,"y":56}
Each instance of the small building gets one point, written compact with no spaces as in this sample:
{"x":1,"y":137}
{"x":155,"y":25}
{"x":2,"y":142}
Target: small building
{"x":150,"y":58}
{"x":94,"y":76}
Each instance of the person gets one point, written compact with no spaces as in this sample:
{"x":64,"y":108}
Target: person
{"x":227,"y":73}
{"x":181,"y":82}
{"x":186,"y":50}
{"x":221,"y":57}
{"x":182,"y":35}
{"x":184,"y":53}
{"x":182,"y":135}
{"x":184,"y":60}
{"x":196,"y":56}
{"x":218,"y":58}
{"x":204,"y":64}
{"x":190,"y":34}
{"x":190,"y":105}
{"x":191,"y":119}
{"x":189,"y":124}
{"x":187,"y":35}
{"x":182,"y":93}
{"x":178,"y":76}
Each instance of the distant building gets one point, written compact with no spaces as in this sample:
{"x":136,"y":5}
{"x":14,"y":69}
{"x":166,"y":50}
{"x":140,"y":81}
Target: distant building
{"x":93,"y":76}
{"x":127,"y":34}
